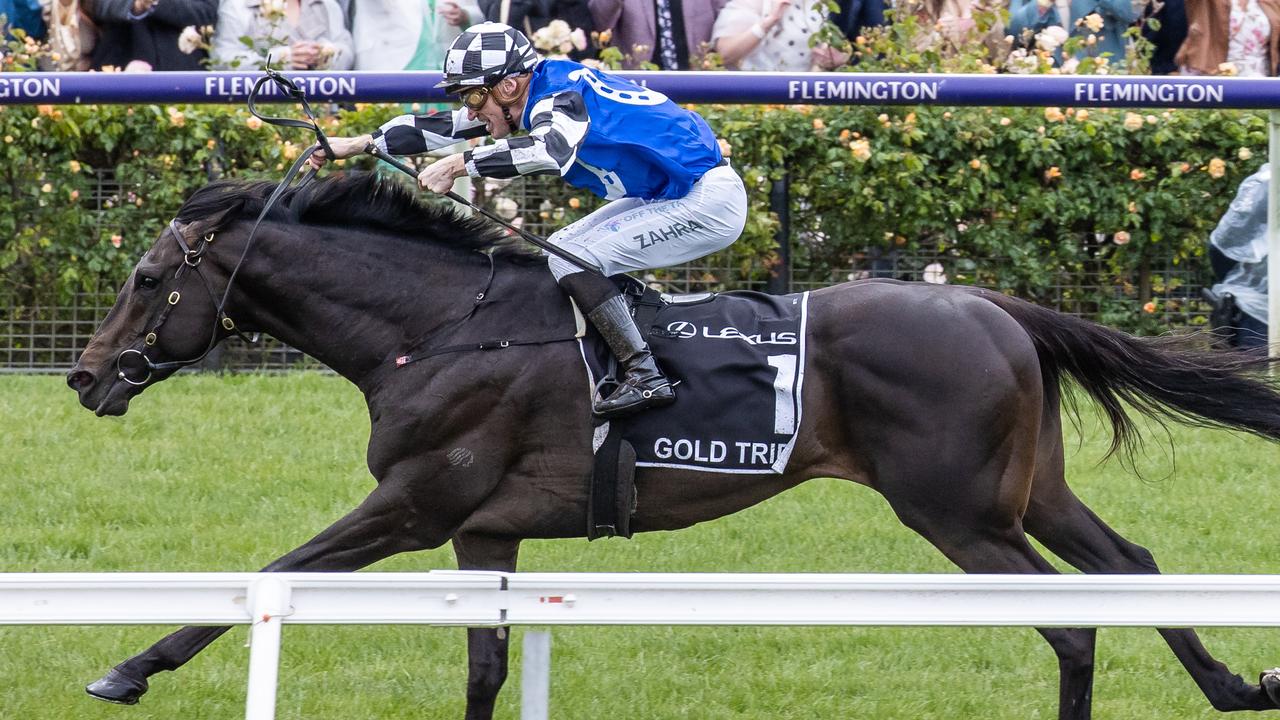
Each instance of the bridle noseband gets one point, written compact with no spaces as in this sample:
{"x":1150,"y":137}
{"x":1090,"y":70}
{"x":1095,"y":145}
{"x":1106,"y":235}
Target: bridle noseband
{"x":192,"y":255}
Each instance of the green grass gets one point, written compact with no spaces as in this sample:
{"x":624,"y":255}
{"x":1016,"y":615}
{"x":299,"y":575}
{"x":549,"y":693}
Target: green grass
{"x":224,"y":474}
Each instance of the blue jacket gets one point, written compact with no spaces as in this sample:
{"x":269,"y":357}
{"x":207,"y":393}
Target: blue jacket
{"x":24,"y":14}
{"x":638,"y":139}
{"x":1117,"y":16}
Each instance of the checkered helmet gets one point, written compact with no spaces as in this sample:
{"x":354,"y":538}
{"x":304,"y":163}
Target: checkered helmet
{"x":484,"y":54}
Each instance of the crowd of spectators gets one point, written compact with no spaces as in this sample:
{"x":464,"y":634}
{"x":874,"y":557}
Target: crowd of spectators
{"x":1234,"y":37}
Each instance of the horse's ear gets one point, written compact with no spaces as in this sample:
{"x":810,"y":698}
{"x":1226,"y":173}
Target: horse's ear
{"x":205,"y":224}
{"x":220,"y":218}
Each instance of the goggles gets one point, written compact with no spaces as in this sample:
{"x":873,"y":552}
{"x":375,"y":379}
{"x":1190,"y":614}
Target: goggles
{"x":475,"y":98}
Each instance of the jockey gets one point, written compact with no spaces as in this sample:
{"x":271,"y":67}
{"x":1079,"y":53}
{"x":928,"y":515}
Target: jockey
{"x":672,"y":195}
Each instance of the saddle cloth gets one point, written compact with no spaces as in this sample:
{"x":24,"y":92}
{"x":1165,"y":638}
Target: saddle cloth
{"x":739,"y":360}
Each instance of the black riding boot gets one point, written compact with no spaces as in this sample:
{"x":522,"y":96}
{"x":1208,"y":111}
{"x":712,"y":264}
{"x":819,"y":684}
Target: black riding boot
{"x":643,"y":385}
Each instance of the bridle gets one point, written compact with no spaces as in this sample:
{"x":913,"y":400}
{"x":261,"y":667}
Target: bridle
{"x":569,"y":256}
{"x":194,"y":252}
{"x":192,"y":255}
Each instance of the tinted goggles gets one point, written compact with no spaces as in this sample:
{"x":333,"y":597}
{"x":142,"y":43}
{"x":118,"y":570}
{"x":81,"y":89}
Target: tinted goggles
{"x":474,"y":98}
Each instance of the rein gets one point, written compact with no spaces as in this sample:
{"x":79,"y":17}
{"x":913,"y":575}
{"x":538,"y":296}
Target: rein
{"x":194,"y":253}
{"x":382,"y":155}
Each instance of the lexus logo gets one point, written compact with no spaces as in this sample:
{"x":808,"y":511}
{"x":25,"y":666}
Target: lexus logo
{"x":683,"y":330}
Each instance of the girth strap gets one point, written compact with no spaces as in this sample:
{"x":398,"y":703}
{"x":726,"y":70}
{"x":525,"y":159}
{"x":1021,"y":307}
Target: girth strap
{"x":644,"y":309}
{"x":405,"y":359}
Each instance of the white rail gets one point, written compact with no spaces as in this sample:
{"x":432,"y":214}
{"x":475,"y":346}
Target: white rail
{"x":474,"y":599}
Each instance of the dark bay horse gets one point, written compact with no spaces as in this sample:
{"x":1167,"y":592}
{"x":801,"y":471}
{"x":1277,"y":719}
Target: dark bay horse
{"x":946,"y":400}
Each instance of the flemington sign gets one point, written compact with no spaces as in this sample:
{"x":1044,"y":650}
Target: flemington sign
{"x":235,"y":87}
{"x":688,"y":87}
{"x":34,"y":87}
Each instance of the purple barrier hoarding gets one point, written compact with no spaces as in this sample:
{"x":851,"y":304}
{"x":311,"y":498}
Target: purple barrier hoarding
{"x":685,"y":87}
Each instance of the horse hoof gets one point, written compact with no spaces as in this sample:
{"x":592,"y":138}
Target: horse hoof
{"x":116,"y":687}
{"x":1270,"y":682}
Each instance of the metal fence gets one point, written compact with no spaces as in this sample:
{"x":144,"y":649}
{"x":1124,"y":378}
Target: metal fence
{"x":47,"y":338}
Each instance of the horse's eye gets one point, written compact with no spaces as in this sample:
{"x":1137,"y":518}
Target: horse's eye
{"x":146,"y":282}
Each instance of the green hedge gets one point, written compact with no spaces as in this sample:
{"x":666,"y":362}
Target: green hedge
{"x":1110,"y":194}
{"x":1047,"y":191}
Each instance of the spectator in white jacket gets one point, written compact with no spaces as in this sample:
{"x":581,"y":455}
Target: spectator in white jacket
{"x":298,"y":34}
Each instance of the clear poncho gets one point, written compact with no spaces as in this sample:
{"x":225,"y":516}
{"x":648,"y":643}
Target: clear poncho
{"x":1242,"y":236}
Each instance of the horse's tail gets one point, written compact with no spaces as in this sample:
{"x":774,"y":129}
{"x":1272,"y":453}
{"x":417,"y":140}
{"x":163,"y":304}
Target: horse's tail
{"x":1165,"y":377}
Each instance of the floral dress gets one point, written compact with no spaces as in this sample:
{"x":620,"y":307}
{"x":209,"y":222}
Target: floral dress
{"x":1248,"y":39}
{"x":786,"y":47}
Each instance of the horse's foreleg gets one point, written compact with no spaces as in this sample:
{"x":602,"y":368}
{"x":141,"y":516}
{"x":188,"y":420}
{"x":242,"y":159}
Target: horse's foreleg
{"x":486,"y":647}
{"x":380,"y":527}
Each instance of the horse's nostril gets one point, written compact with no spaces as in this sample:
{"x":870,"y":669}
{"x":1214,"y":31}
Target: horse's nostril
{"x":79,"y":379}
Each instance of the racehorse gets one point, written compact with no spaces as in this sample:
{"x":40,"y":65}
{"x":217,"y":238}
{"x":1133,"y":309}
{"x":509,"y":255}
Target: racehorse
{"x":946,"y":400}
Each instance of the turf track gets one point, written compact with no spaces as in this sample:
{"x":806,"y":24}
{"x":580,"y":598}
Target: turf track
{"x":214,"y":474}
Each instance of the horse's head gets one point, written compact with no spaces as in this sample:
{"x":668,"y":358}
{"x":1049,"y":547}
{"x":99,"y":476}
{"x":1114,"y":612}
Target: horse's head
{"x":165,"y":317}
{"x":173,"y":308}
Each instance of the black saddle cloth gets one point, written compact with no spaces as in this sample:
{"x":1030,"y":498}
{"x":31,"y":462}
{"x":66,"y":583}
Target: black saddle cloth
{"x":738,"y":359}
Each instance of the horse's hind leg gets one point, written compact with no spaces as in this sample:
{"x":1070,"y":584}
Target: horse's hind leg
{"x":1070,"y":530}
{"x":379,"y":527}
{"x":991,"y":550}
{"x":486,"y":647}
{"x":980,"y":532}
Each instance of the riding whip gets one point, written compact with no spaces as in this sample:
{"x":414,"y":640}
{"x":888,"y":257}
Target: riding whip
{"x":294,"y":92}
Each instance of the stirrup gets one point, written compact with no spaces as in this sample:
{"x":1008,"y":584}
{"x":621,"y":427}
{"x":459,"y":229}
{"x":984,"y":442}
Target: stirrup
{"x":647,"y":398}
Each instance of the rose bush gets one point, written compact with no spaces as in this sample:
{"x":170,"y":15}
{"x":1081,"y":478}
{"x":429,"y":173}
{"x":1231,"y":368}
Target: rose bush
{"x":1011,"y":198}
{"x":1047,"y":193}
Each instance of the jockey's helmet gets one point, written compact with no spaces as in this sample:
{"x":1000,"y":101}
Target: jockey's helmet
{"x":484,"y":54}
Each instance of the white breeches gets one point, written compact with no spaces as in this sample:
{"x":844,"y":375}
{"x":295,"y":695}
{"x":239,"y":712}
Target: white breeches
{"x":633,"y":234}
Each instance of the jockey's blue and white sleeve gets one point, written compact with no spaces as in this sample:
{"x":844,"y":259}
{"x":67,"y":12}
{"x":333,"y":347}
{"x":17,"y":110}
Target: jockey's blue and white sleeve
{"x":558,"y":125}
{"x":415,"y":134}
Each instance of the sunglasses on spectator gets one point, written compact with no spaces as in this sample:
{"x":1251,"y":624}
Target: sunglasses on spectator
{"x":475,"y":97}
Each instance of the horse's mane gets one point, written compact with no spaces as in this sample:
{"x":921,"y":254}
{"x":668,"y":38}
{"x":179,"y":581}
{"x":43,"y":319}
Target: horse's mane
{"x":358,"y":200}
